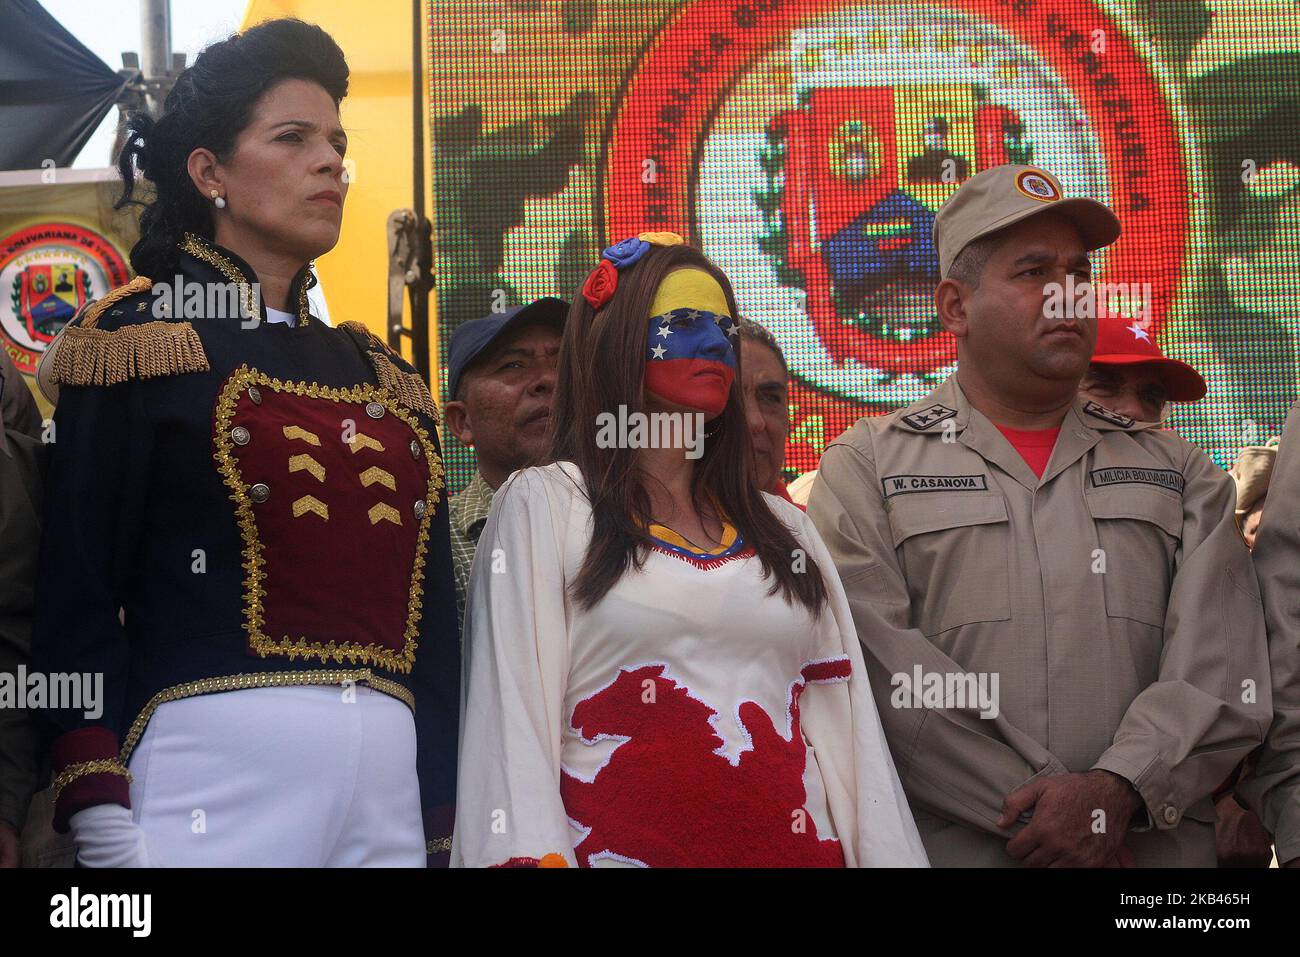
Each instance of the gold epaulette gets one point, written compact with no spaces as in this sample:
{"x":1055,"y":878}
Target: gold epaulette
{"x":406,"y":387}
{"x":88,"y":355}
{"x":90,"y":319}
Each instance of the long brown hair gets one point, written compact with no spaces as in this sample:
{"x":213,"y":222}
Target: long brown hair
{"x":602,"y":366}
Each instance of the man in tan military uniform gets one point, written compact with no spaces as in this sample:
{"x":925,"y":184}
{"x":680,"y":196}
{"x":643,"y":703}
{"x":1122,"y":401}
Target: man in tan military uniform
{"x":1099,"y":589}
{"x":1273,"y":788}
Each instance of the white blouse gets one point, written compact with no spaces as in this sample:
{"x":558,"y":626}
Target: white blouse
{"x":688,"y":719}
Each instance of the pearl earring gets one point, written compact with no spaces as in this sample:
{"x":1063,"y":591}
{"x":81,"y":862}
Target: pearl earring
{"x":218,"y":200}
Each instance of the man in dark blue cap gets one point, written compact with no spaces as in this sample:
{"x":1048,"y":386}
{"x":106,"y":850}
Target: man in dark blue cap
{"x":500,"y":383}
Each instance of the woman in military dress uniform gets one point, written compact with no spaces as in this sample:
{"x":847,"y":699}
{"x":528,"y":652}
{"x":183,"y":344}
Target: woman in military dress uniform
{"x":246,"y":532}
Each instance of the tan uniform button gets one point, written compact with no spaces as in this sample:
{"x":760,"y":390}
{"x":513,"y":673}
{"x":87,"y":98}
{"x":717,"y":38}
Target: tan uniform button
{"x":260,"y":492}
{"x":240,"y":435}
{"x":420,"y":507}
{"x":255,"y":394}
{"x":375,"y":410}
{"x":1171,"y":814}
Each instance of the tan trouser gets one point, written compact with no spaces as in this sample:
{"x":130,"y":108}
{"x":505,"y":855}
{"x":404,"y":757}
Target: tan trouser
{"x":41,"y":846}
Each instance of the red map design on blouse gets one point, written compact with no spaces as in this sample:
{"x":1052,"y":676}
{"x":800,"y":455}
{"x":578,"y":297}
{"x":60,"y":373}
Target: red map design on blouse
{"x":668,"y":799}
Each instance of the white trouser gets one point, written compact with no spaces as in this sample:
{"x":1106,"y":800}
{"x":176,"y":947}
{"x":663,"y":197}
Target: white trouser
{"x":279,"y":777}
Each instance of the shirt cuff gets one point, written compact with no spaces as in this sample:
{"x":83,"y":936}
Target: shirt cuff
{"x":1153,"y":786}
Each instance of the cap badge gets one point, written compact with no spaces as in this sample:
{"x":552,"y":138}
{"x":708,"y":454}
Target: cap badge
{"x":1138,"y":332}
{"x":1037,"y":186}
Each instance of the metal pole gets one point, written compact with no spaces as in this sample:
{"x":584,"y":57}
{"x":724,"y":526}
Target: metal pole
{"x":417,"y":104}
{"x":156,"y":48}
{"x":421,"y":288}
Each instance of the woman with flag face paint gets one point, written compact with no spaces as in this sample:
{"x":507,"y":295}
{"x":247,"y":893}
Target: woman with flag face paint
{"x":691,"y":360}
{"x":662,"y":668}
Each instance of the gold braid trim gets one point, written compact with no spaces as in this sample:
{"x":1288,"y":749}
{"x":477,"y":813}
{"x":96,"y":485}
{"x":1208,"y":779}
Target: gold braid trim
{"x":440,"y":845}
{"x":201,"y":249}
{"x":362,"y":328}
{"x":96,"y":309}
{"x":255,"y":577}
{"x":88,"y":355}
{"x":100,"y":766}
{"x":406,"y":387}
{"x":270,"y":679}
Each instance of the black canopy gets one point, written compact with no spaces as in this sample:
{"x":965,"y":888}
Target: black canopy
{"x":54,"y":92}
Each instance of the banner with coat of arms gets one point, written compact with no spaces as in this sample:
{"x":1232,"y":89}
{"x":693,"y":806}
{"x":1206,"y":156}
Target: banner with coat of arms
{"x":806,"y":145}
{"x":61,"y":245}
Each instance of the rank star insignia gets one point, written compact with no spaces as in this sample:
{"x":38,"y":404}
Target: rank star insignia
{"x":927,"y":417}
{"x":1139,"y":332}
{"x":1106,"y":415}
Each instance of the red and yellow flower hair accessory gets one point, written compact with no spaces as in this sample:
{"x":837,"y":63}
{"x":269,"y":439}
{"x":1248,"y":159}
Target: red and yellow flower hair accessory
{"x":601,"y":285}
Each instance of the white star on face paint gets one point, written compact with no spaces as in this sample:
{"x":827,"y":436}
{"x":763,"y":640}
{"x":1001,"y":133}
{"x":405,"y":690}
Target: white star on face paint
{"x":692,"y":314}
{"x":1139,"y":332}
{"x":658,"y":352}
{"x":665,"y":331}
{"x":732,"y":329}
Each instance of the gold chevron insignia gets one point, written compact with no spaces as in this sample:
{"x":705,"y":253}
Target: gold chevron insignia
{"x":362,"y":441}
{"x":304,"y":462}
{"x":298,"y":432}
{"x":310,"y":503}
{"x":375,"y":474}
{"x":381,"y":511}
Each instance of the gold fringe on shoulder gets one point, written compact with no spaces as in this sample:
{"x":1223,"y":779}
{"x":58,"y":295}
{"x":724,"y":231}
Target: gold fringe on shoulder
{"x":96,"y":308}
{"x":86,"y":355}
{"x":362,"y":328}
{"x":407,"y":388}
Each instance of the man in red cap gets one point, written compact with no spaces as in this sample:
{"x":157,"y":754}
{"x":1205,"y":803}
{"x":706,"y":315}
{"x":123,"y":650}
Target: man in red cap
{"x":1130,"y":375}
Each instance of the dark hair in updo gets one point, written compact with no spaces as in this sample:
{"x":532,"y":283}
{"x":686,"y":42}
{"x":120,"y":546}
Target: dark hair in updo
{"x":210,"y":105}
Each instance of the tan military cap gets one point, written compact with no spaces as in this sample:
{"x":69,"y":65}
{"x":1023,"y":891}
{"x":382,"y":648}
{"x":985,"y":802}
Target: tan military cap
{"x":1003,"y":195}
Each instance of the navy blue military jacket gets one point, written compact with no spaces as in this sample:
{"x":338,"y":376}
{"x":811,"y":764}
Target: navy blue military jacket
{"x":233,"y":504}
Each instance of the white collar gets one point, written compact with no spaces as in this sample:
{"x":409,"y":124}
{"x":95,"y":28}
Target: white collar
{"x":276,"y":315}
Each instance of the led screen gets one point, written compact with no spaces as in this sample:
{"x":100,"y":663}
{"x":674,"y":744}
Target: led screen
{"x":806,"y":145}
